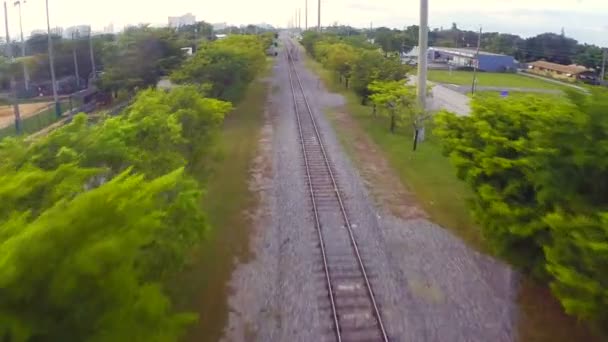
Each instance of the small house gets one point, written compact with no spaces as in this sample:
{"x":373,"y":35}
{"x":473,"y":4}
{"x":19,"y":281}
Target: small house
{"x":570,"y":73}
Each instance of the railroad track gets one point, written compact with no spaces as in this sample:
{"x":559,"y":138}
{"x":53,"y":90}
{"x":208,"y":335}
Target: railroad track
{"x":353,"y":306}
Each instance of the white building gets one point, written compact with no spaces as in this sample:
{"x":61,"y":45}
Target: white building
{"x":77,"y":31}
{"x":219,"y":26}
{"x":109,"y":29}
{"x":186,"y":19}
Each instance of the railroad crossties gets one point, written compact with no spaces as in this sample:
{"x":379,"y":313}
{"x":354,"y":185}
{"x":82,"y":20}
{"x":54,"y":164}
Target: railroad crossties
{"x":331,"y":264}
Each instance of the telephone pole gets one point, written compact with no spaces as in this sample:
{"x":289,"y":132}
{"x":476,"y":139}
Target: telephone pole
{"x":423,"y":37}
{"x":52,"y":62}
{"x":476,"y":64}
{"x":319,"y":16}
{"x":306,"y":15}
{"x":74,"y":34}
{"x":93,"y":67}
{"x":300,"y":18}
{"x":603,"y":74}
{"x":9,"y":52}
{"x":26,"y":75}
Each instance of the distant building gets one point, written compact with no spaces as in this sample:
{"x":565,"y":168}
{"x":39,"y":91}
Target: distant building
{"x":184,"y":20}
{"x":444,"y":58}
{"x":109,"y":29}
{"x":37,"y":32}
{"x":77,"y":31}
{"x":571,"y":73}
{"x":219,"y":26}
{"x":57,"y":31}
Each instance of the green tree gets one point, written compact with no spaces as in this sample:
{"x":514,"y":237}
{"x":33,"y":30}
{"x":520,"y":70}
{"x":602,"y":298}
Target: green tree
{"x":491,"y":150}
{"x":227,"y":66}
{"x":395,"y":99}
{"x":539,"y":174}
{"x":104,"y":214}
{"x":140,"y":56}
{"x":341,"y":58}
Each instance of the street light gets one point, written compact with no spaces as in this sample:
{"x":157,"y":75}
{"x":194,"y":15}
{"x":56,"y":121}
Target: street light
{"x":52,"y":62}
{"x":26,"y":76}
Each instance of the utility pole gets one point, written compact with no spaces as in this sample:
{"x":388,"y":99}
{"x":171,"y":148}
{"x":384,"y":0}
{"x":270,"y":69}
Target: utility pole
{"x":423,"y":37}
{"x":603,"y":74}
{"x":52,"y":62}
{"x":9,"y":52}
{"x":300,"y":18}
{"x":319,"y":16}
{"x":422,"y":53}
{"x":306,"y":15}
{"x":476,"y":64}
{"x":75,"y":59}
{"x":26,"y":75}
{"x":93,"y":67}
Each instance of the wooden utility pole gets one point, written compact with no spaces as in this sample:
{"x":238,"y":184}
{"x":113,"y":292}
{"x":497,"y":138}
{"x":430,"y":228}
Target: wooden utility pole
{"x":603,"y":74}
{"x":91,"y":50}
{"x":9,"y":52}
{"x":26,"y":75}
{"x":306,"y":15}
{"x":74,"y":35}
{"x":423,"y":39}
{"x":476,"y":64}
{"x":319,"y":16}
{"x":52,"y":62}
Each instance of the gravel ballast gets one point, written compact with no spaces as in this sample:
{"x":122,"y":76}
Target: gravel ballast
{"x":428,"y":284}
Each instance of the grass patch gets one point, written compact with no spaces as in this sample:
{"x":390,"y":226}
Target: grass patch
{"x":202,"y":286}
{"x":519,"y":94}
{"x":433,"y":180}
{"x":491,"y":79}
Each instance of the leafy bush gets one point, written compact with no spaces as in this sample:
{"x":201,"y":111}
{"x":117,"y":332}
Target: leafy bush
{"x":95,"y":217}
{"x":539,"y":174}
{"x":227,"y":66}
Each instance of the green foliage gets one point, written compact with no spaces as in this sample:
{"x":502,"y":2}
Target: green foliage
{"x":94,"y":218}
{"x":396,"y":99}
{"x":351,"y":57}
{"x":539,"y":173}
{"x":227,"y":65}
{"x":139,"y":57}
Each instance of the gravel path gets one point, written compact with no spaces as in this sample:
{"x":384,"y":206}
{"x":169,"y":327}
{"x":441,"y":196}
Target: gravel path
{"x":430,"y":286}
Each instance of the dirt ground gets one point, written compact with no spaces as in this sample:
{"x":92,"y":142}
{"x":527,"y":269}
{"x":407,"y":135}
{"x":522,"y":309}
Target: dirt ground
{"x":26,"y":109}
{"x":387,"y":189}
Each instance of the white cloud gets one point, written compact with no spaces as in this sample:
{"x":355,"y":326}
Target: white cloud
{"x":585,"y":20}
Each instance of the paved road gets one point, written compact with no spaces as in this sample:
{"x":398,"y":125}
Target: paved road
{"x":448,"y":99}
{"x":445,"y":98}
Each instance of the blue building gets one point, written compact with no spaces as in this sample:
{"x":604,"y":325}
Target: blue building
{"x":462,"y":58}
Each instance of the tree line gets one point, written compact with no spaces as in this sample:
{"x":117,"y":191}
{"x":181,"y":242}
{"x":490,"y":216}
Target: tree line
{"x":377,"y":78}
{"x":96,"y":217}
{"x":129,"y":53}
{"x":537,"y":168}
{"x":538,"y":171}
{"x":553,"y":47}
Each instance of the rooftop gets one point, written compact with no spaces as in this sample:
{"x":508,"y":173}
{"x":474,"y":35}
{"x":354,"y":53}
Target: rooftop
{"x":566,"y":69}
{"x":465,"y":52}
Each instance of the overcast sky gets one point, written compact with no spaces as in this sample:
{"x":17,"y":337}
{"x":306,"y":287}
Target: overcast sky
{"x":584,"y":20}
